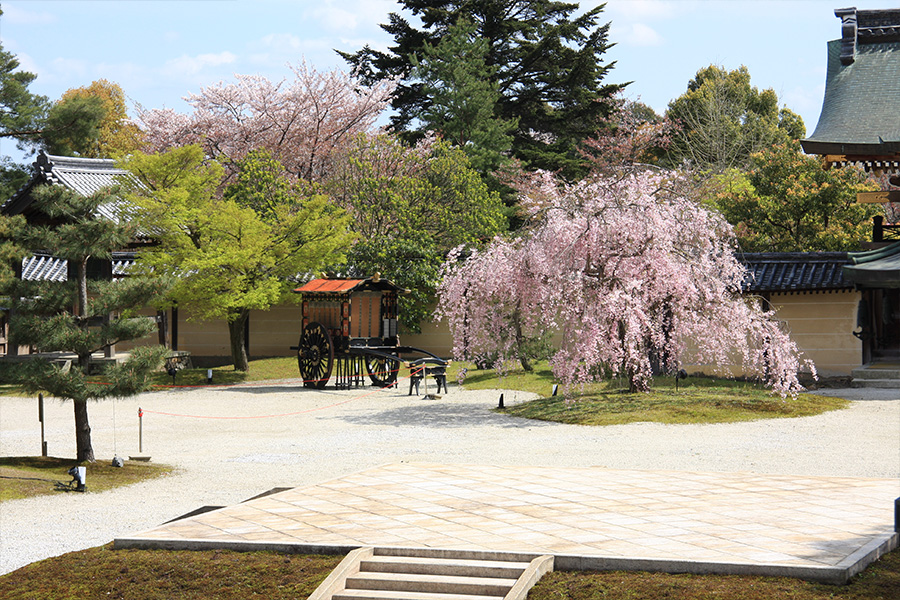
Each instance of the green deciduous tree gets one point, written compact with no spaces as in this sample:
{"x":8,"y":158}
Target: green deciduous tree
{"x":788,"y":202}
{"x":82,"y":315}
{"x":723,"y":120}
{"x":410,"y":206}
{"x":546,"y":62}
{"x":238,"y":251}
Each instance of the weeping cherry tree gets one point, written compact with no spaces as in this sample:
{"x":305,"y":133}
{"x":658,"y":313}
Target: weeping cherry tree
{"x":628,"y":271}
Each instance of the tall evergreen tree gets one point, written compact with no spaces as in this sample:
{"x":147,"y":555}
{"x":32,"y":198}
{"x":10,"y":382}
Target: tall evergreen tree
{"x":72,"y":127}
{"x":75,"y":316}
{"x":546,"y":63}
{"x":22,"y":113}
{"x":10,"y":252}
{"x":463,"y":96}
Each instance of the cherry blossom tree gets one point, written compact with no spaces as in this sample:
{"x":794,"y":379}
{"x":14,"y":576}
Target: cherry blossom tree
{"x":301,"y":122}
{"x":627,"y":270}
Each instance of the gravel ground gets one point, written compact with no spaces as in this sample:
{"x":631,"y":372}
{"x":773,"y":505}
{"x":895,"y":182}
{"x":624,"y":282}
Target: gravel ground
{"x":320,"y":435}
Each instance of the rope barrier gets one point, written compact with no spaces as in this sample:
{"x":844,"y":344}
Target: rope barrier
{"x":290,"y":414}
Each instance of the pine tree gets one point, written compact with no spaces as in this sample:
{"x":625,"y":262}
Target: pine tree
{"x":547,"y":65}
{"x":82,"y":315}
{"x":463,"y":97}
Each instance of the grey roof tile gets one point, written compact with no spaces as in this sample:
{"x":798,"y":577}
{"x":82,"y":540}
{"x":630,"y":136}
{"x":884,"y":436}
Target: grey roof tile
{"x":794,"y":271}
{"x":82,"y":175}
{"x":41,"y":267}
{"x":861,"y":109}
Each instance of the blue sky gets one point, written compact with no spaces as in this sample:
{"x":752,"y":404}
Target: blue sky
{"x":161,"y":50}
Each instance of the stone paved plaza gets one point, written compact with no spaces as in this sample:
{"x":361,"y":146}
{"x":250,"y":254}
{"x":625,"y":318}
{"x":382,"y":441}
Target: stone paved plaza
{"x":823,"y":528}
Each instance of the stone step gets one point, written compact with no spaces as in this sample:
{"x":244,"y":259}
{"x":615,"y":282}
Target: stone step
{"x":389,"y":595}
{"x":444,"y":566}
{"x":876,"y":383}
{"x":433,"y":574}
{"x":876,"y":374}
{"x":430,"y":584}
{"x":455,"y":554}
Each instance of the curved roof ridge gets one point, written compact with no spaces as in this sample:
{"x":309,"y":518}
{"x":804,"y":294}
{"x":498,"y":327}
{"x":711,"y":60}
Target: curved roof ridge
{"x":867,"y":256}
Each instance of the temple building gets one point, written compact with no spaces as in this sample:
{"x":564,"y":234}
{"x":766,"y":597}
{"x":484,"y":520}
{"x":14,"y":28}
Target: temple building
{"x":860,"y":119}
{"x":860,"y":125}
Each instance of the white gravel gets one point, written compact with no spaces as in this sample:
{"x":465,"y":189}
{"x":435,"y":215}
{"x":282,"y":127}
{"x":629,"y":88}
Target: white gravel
{"x":333,"y":433}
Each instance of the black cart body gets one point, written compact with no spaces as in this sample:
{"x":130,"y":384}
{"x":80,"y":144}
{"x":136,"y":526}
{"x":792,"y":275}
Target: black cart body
{"x":350,"y":328}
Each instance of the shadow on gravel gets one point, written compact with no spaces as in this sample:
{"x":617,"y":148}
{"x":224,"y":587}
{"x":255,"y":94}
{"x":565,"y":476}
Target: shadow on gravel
{"x":443,"y":415}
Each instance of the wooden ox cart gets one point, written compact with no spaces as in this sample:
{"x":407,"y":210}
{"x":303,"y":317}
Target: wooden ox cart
{"x":350,"y":326}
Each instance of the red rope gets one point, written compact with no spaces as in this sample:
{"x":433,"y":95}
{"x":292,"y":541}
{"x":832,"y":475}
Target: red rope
{"x":299,"y":412}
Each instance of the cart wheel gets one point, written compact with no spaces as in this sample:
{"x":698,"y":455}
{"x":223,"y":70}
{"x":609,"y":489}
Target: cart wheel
{"x":315,"y":356}
{"x":382,"y":371}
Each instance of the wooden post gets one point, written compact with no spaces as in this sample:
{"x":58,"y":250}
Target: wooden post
{"x":41,"y":419}
{"x":174,"y":328}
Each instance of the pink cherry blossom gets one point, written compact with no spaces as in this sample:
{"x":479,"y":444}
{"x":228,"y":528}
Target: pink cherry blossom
{"x":301,"y":122}
{"x":622,"y":268}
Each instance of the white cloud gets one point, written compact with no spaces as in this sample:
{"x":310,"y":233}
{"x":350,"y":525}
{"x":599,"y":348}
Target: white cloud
{"x":347,"y":16}
{"x":66,"y":70}
{"x":642,"y":9}
{"x":15,"y":15}
{"x":281,"y":43}
{"x":640,"y":34}
{"x":279,"y":49}
{"x":334,"y":18}
{"x":188,"y":66}
{"x":26,"y":63}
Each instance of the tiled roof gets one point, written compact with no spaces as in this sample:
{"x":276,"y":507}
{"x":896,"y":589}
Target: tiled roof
{"x":121,"y":261}
{"x":794,"y":271}
{"x":82,"y":175}
{"x":861,"y":109}
{"x":43,"y":267}
{"x":878,"y":268}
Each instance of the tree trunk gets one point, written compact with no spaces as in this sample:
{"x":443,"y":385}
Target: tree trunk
{"x":82,"y":288}
{"x":84,"y":360}
{"x":83,"y":449}
{"x":236,"y":329}
{"x":521,"y":349}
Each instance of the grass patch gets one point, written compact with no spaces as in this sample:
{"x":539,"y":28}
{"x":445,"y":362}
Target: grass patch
{"x":225,"y":575}
{"x":881,"y":581}
{"x":27,"y":476}
{"x":163,"y":574}
{"x":697,"y":400}
{"x":263,"y":369}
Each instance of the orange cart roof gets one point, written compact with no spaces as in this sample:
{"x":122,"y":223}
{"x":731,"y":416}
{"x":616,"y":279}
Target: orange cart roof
{"x":334,"y":286}
{"x":340,"y":286}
